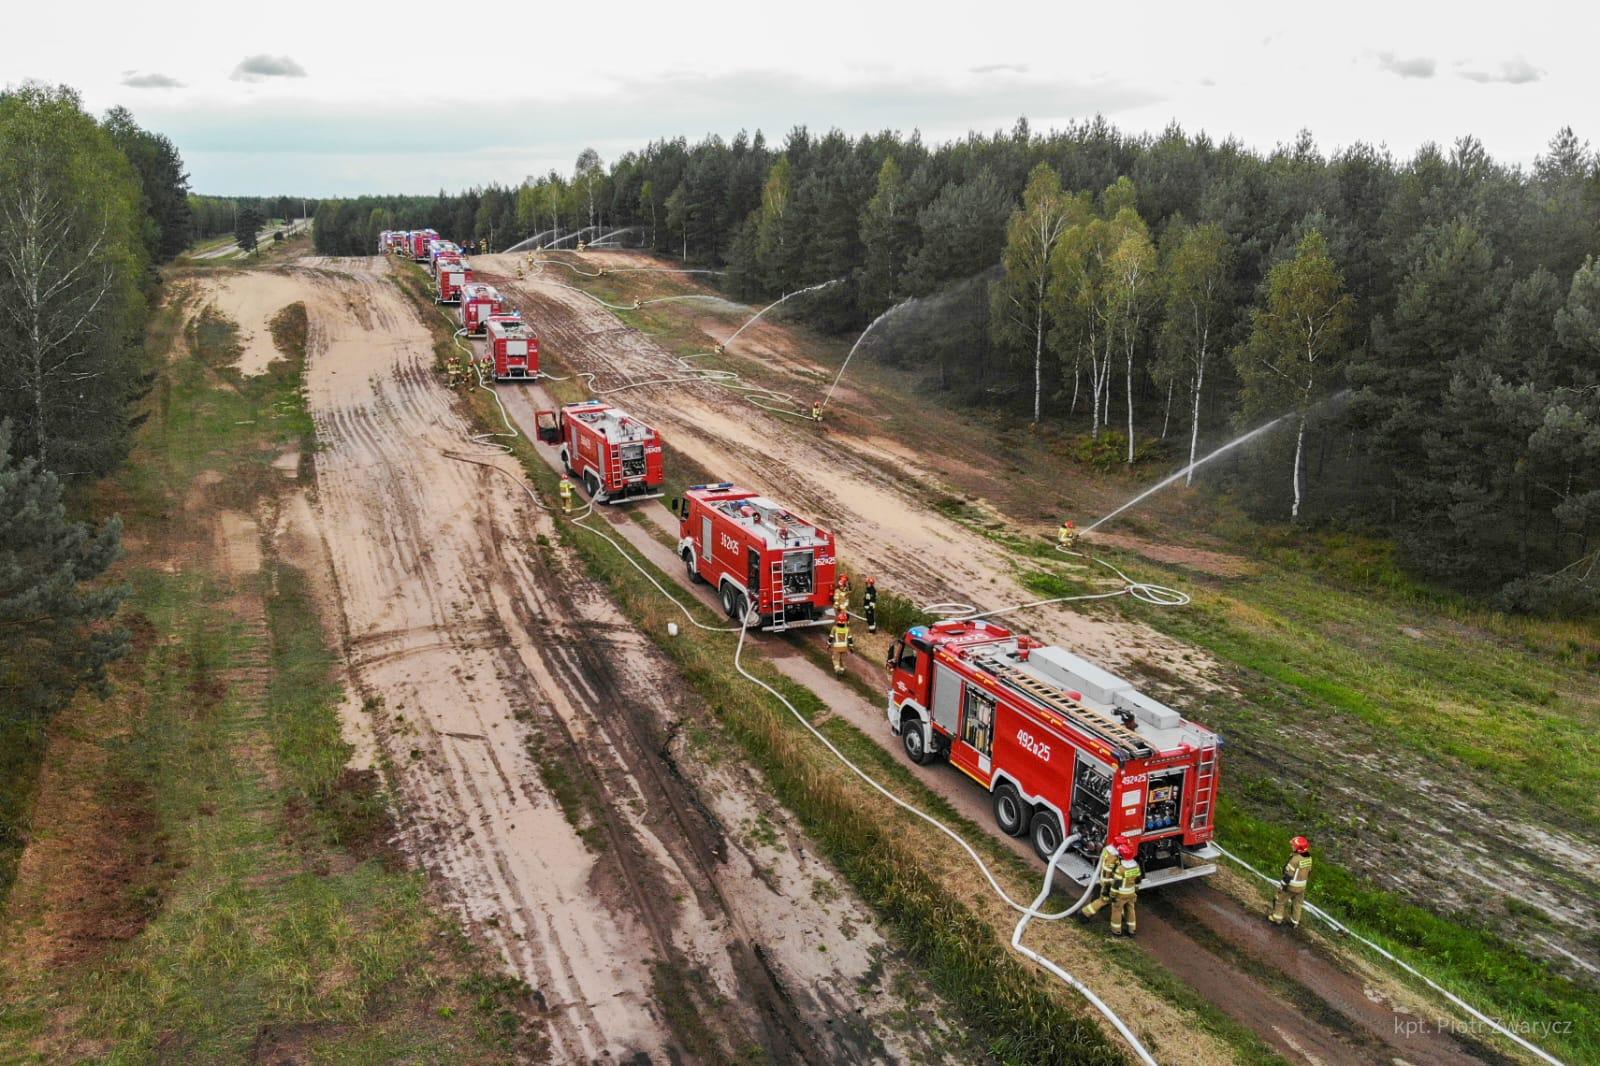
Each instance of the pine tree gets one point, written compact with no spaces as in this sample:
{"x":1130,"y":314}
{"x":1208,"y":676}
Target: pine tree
{"x":53,"y":636}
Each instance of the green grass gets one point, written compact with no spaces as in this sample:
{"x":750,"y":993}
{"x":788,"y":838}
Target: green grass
{"x":271,"y":923}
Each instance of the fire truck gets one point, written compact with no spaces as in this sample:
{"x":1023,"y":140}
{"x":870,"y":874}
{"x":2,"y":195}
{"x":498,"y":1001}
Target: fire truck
{"x":511,"y":347}
{"x":765,"y":563}
{"x":615,"y":456}
{"x":478,"y":301}
{"x":450,"y":277}
{"x":419,"y":244}
{"x":1065,"y":748}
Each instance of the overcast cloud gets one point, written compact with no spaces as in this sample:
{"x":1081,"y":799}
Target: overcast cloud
{"x":1414,"y":67}
{"x":255,"y":68}
{"x":135,"y":80}
{"x":347,"y":104}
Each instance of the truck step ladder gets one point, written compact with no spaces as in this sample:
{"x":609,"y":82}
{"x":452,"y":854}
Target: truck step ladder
{"x":1053,"y":698}
{"x":613,"y":469}
{"x":1205,"y":788}
{"x":780,"y":617}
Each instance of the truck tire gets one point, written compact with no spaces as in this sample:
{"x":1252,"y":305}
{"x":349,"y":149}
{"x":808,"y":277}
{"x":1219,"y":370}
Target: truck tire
{"x":688,"y":564}
{"x":591,"y":485}
{"x":915,"y":739}
{"x":1010,"y":813}
{"x":1046,"y":834}
{"x":741,"y":608}
{"x":727,"y":600}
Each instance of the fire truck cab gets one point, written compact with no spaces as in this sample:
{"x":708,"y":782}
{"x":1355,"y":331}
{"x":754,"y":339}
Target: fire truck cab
{"x":766,"y":564}
{"x":479,"y":301}
{"x":1065,"y":748}
{"x":513,"y":350}
{"x":614,"y":455}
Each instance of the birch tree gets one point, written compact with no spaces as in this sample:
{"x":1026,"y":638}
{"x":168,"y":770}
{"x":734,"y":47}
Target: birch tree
{"x":1297,"y":340}
{"x":1194,"y":288}
{"x":1019,"y":299}
{"x":588,"y":172}
{"x":1078,"y":303}
{"x":1130,"y":280}
{"x":70,"y":259}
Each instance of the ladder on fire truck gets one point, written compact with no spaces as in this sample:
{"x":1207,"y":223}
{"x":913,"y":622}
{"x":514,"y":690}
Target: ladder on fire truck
{"x":1053,"y":698}
{"x":1205,"y":787}
{"x":613,"y":467}
{"x":780,"y":617}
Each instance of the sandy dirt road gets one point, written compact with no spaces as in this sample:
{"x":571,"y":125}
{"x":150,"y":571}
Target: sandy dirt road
{"x":885,"y":530}
{"x":643,"y":915}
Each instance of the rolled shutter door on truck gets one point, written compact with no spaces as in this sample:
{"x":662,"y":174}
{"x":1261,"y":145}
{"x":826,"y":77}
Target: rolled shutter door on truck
{"x":946,"y":709}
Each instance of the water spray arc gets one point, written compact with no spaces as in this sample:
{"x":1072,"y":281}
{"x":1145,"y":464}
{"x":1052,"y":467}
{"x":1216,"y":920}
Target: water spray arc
{"x":775,"y":303}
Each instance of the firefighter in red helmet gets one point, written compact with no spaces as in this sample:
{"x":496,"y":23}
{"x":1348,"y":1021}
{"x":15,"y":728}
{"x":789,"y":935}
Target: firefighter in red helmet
{"x":839,"y":640}
{"x":1067,"y":536}
{"x":816,"y":410}
{"x":1125,"y":890}
{"x":1292,"y":886}
{"x":1110,"y":856}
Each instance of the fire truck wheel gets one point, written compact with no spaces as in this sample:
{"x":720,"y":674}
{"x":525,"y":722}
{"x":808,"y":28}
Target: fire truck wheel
{"x":688,"y":564}
{"x":728,"y":606}
{"x":1010,"y":813}
{"x":591,"y":485}
{"x":915,"y":738}
{"x":1046,"y":834}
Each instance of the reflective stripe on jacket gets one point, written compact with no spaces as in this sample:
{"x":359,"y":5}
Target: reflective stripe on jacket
{"x":1297,"y":871}
{"x":1126,"y":877}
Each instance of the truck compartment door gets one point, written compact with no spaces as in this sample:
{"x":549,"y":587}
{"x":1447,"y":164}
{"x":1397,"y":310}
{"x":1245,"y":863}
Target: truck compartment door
{"x":705,"y":538}
{"x":946,"y":709}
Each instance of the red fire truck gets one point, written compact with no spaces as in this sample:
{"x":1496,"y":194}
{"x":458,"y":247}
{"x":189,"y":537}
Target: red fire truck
{"x":762,"y":560}
{"x":478,"y":301}
{"x":1063,"y":746}
{"x":511,"y":348}
{"x":419,"y":244}
{"x":449,"y":281}
{"x":615,"y":456}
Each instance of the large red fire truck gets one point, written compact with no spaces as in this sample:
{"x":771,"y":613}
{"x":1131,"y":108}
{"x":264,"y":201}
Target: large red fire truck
{"x":615,"y":456}
{"x":479,"y":300}
{"x":1063,"y":746}
{"x":762,"y":560}
{"x":419,"y":243}
{"x":450,"y":277}
{"x":511,"y":348}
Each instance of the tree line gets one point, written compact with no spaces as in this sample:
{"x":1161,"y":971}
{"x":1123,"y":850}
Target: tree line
{"x":1424,"y":327}
{"x":214,"y":216}
{"x":88,"y":209}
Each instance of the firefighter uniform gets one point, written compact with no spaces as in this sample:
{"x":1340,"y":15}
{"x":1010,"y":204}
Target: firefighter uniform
{"x":1125,"y":897}
{"x":816,"y":411}
{"x":1292,"y":889}
{"x":841,"y":593}
{"x":869,"y":604}
{"x":1067,"y":537}
{"x":1109,"y":860}
{"x":839,"y":642}
{"x":566,"y":494}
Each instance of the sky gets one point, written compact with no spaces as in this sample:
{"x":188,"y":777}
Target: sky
{"x":333,"y":99}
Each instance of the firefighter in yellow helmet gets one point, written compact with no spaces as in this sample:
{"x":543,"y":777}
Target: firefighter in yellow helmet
{"x":566,"y":494}
{"x":839,"y":641}
{"x":1110,"y":857}
{"x":1292,"y":888}
{"x":1125,"y":891}
{"x":1067,"y":536}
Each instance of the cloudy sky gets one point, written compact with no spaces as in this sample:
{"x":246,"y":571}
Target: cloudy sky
{"x":335,"y":98}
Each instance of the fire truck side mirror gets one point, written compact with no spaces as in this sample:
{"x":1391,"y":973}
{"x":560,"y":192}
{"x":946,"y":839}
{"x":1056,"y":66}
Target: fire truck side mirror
{"x":674,"y":505}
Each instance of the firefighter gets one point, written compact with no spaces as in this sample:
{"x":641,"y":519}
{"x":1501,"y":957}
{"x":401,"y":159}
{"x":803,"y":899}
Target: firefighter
{"x":869,"y":604}
{"x":816,"y":410}
{"x":1125,"y":891}
{"x":519,"y":271}
{"x":841,"y":593}
{"x":1292,"y":889}
{"x":840,"y":642}
{"x":1067,"y":538}
{"x":566,"y":494}
{"x":1109,"y":858}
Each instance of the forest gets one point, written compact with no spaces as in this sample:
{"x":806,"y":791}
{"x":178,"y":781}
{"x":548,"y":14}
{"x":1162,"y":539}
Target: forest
{"x":1429,"y":327}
